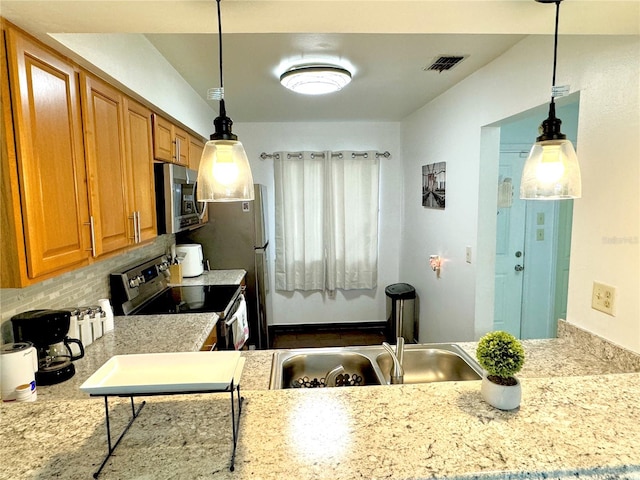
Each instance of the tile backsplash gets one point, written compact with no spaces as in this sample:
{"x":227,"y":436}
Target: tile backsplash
{"x":77,"y":288}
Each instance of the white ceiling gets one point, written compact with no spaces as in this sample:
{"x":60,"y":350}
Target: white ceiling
{"x":385,"y":44}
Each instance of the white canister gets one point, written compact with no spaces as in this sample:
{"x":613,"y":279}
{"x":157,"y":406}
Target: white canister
{"x":84,"y":325}
{"x":107,"y":313}
{"x":74,"y":329}
{"x":18,"y":366}
{"x":96,"y":322}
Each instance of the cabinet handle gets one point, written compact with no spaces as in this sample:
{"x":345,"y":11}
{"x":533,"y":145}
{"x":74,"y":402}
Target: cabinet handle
{"x":132,"y":217}
{"x":178,"y":150}
{"x":138,"y":228}
{"x":93,"y":236}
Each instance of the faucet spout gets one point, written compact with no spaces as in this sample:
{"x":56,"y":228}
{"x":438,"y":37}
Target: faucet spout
{"x":397,"y":371}
{"x":330,"y":379}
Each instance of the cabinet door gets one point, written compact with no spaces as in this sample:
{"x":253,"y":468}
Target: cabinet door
{"x":181,"y":146}
{"x":162,"y":139}
{"x":195,"y":152}
{"x":139,"y":149}
{"x":103,"y":117}
{"x":49,"y":157}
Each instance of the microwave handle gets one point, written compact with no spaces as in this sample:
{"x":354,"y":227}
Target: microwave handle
{"x":197,"y":203}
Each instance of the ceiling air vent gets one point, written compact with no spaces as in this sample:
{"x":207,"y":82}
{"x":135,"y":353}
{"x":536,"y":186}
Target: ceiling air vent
{"x":445,"y":62}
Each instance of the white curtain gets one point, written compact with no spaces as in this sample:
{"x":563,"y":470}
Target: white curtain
{"x":299,"y":184}
{"x":326,"y":220}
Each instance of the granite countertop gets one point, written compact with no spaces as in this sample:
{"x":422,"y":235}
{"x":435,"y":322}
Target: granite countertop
{"x":134,"y":334}
{"x":215,"y":277}
{"x":566,"y":425}
{"x":578,"y":419}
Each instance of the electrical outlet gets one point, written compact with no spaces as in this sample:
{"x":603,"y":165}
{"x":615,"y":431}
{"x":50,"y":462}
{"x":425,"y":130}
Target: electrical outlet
{"x":604,"y":298}
{"x":468,"y":254}
{"x":540,"y":234}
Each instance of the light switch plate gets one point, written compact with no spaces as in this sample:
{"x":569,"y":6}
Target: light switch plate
{"x":603,"y":298}
{"x":468,"y":253}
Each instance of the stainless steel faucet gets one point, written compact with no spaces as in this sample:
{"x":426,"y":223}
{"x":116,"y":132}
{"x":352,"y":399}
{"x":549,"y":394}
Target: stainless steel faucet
{"x":397,"y":372}
{"x":332,"y":375}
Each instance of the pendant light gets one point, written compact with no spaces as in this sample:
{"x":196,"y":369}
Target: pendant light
{"x":551,"y":171}
{"x":224,"y":174}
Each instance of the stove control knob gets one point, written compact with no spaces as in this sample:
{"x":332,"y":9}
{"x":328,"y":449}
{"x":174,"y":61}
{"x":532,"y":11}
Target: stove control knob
{"x":140,"y":279}
{"x":163,"y":266}
{"x":133,"y":282}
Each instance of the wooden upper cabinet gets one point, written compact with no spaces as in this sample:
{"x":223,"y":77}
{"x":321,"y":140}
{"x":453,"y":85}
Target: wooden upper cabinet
{"x":181,"y":148}
{"x":139,"y":150}
{"x":45,"y":171}
{"x":195,"y":152}
{"x":103,"y":117}
{"x":162,"y":139}
{"x":170,"y":143}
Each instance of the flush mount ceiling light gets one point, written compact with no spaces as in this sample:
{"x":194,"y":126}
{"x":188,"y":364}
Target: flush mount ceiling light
{"x":224,"y":174}
{"x":315,"y":79}
{"x":551,"y":171}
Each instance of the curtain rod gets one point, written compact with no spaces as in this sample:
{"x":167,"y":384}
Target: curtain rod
{"x":265,"y":155}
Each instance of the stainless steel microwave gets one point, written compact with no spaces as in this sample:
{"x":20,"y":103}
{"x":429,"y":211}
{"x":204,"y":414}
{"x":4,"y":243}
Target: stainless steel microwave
{"x":176,"y":203}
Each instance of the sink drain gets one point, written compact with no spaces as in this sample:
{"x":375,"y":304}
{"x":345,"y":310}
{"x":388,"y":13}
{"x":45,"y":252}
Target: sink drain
{"x":342,"y":380}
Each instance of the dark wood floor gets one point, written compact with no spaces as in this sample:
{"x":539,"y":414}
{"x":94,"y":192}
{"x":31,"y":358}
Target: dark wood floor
{"x":323,"y":338}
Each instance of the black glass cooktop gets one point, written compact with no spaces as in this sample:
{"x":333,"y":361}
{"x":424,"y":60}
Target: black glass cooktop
{"x":192,"y":299}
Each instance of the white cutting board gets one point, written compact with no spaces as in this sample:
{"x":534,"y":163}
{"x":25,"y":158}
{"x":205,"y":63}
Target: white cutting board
{"x":166,"y":373}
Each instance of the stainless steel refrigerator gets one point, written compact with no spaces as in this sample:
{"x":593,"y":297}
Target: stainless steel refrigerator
{"x":236,"y":237}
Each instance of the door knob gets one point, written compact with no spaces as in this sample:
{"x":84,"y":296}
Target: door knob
{"x":519,"y":268}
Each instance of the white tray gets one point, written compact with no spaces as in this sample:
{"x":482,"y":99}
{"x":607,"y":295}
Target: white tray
{"x":166,"y":373}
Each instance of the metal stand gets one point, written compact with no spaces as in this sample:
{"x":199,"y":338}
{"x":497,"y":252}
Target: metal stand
{"x":235,"y":421}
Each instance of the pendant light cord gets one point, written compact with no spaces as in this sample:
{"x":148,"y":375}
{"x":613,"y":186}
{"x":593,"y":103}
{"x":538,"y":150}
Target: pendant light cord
{"x":220,"y":45}
{"x":555,"y":50}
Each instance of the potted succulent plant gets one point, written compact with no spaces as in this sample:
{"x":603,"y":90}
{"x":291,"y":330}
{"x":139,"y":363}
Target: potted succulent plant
{"x":502,"y":356}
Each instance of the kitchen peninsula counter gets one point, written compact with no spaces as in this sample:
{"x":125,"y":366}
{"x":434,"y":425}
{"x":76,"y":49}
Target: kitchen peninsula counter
{"x":574,"y":422}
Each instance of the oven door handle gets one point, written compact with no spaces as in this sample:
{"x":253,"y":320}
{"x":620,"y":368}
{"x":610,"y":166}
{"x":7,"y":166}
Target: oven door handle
{"x":232,"y":311}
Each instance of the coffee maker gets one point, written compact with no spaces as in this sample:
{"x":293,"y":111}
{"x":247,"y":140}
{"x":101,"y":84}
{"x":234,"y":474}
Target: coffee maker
{"x":47,"y":330}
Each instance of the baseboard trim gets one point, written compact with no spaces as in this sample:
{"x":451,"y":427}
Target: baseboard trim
{"x":326,"y":327}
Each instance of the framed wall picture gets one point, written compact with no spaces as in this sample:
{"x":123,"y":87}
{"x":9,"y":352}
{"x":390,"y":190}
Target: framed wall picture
{"x":434,"y":185}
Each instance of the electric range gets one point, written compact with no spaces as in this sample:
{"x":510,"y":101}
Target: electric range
{"x":143,"y":289}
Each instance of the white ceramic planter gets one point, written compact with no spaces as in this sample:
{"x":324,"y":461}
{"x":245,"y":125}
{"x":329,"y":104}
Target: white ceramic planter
{"x":500,"y":396}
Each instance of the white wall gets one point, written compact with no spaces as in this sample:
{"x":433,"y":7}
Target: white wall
{"x":347,"y":306}
{"x":457,"y":127}
{"x":134,"y":63}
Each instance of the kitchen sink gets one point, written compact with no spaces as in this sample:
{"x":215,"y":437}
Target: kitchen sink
{"x":432,"y":363}
{"x":310,"y":367}
{"x":370,"y":365}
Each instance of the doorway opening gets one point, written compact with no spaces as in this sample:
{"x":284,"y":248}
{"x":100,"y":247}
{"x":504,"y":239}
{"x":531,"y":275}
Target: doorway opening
{"x":532,"y":238}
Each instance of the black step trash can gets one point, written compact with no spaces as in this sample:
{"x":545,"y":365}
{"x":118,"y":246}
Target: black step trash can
{"x":401,"y":317}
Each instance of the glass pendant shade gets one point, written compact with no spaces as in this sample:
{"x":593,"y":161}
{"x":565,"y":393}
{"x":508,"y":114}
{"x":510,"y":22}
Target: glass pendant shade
{"x":551,"y":172}
{"x":224,"y":174}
